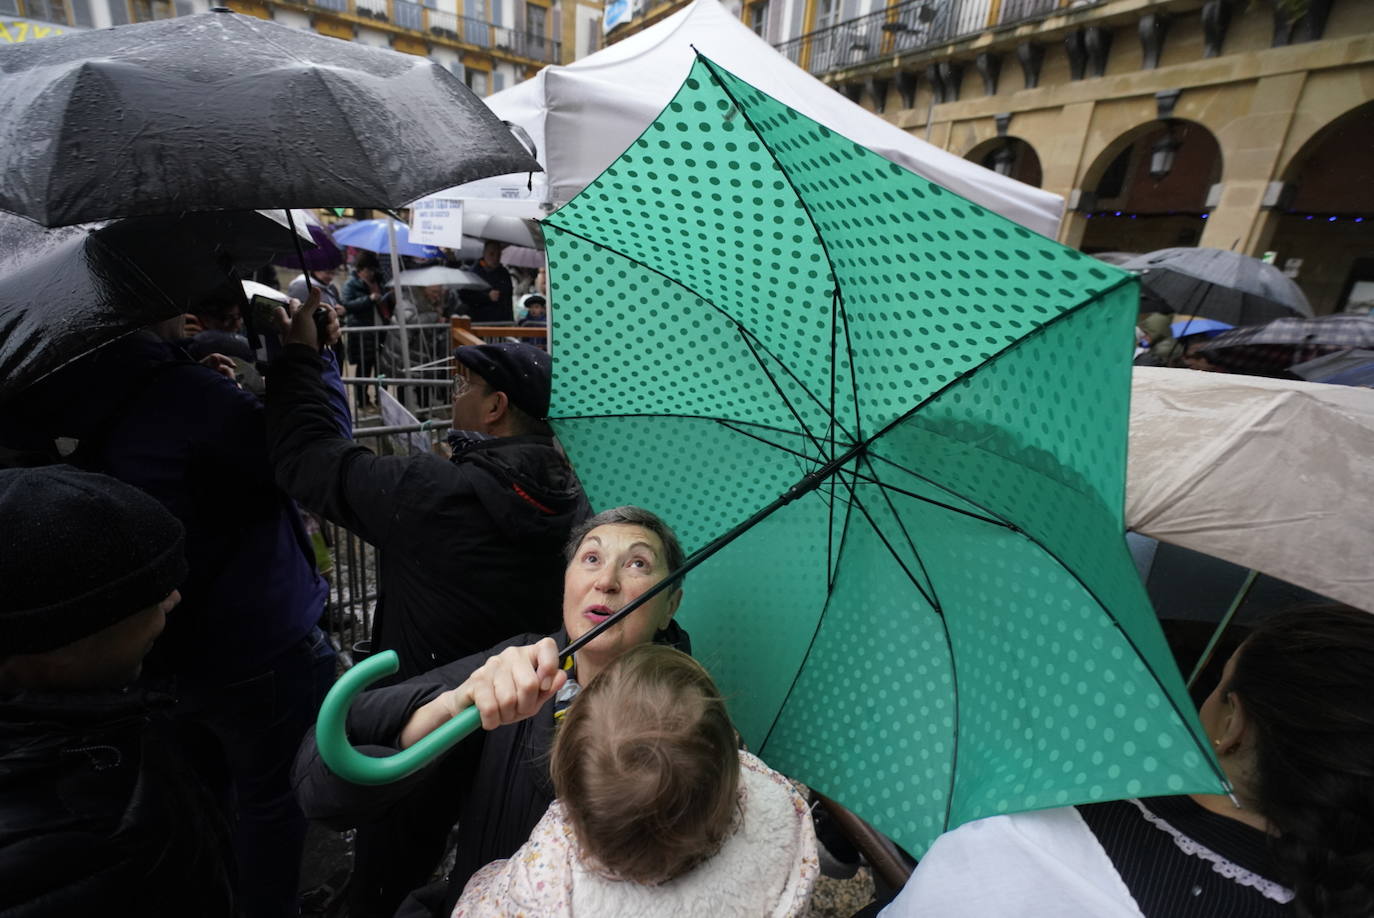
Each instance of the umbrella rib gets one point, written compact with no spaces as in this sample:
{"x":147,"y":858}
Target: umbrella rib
{"x":744,"y":332}
{"x":820,"y":239}
{"x":911,"y":543}
{"x":834,"y":309}
{"x":825,"y":249}
{"x":949,"y":648}
{"x":679,"y":417}
{"x":749,"y":343}
{"x":811,"y":646}
{"x":873,"y":479}
{"x":853,"y":381}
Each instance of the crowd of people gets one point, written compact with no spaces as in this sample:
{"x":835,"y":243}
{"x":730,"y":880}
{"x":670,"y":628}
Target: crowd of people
{"x":162,"y":664}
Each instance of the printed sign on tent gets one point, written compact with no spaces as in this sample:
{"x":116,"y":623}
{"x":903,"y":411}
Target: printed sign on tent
{"x":437,"y":221}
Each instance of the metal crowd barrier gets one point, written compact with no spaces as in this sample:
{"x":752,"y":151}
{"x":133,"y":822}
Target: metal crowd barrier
{"x":376,"y":370}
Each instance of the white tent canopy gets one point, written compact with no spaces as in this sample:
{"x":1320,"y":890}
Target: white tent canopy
{"x":583,"y":115}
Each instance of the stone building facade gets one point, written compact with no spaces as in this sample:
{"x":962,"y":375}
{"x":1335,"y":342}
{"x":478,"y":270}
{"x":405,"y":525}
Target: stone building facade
{"x":1238,"y":124}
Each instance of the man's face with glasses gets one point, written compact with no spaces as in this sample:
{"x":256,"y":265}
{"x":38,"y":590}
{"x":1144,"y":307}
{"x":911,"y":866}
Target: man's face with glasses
{"x":469,"y":396}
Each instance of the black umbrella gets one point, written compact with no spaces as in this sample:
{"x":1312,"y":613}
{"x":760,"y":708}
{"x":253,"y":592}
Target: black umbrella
{"x":67,"y":292}
{"x":1217,"y":284}
{"x":220,"y":111}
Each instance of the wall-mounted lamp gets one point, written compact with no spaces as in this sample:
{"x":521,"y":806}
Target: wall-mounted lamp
{"x":1004,"y":160}
{"x":1162,"y":154}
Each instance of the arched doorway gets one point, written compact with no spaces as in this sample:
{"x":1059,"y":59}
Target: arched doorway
{"x":1009,"y":156}
{"x":1149,"y":188}
{"x":1325,"y":234}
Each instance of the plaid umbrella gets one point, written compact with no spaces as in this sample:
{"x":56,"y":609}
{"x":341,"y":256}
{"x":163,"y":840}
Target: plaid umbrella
{"x":1286,"y":342}
{"x":1217,"y":284}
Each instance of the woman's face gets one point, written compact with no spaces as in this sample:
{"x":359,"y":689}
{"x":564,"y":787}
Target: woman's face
{"x":613,"y":566}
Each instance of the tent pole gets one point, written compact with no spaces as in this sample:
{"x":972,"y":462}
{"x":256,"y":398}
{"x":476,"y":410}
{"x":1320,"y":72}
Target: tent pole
{"x":397,"y":311}
{"x":1225,"y":622}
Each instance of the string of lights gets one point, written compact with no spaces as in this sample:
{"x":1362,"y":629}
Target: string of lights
{"x":1203,"y":215}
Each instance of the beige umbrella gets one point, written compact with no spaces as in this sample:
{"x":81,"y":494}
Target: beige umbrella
{"x":1271,"y":474}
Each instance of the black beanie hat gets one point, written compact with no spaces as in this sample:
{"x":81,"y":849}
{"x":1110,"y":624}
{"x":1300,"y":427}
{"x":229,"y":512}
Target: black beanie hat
{"x":79,"y":552}
{"x":522,"y":371}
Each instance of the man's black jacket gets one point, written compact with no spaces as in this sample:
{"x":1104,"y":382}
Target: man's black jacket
{"x":470,"y":550}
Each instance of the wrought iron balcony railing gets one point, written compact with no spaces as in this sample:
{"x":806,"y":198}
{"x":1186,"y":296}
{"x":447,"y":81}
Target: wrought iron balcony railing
{"x":440,"y":24}
{"x":907,"y":26}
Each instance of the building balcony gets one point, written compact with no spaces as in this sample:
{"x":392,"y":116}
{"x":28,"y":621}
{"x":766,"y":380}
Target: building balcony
{"x":910,"y":26}
{"x":419,"y":21}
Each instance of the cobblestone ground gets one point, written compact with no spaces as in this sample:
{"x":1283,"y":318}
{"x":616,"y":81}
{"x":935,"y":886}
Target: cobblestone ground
{"x":841,"y":898}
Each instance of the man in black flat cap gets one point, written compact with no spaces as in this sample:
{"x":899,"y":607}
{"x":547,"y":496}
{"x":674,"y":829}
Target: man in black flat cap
{"x":470,"y":547}
{"x":99,"y":809}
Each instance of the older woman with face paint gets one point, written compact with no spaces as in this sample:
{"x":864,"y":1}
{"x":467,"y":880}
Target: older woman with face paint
{"x":495,"y":784}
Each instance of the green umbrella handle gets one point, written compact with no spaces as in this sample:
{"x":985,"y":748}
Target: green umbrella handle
{"x":348,"y":763}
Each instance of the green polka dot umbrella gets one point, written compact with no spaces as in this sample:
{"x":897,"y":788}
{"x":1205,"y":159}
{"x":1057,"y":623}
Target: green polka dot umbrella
{"x":918,"y":411}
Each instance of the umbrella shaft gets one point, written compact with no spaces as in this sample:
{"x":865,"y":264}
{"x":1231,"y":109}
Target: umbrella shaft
{"x":807,"y":484}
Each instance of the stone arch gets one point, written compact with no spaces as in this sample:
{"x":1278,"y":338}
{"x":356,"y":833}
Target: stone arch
{"x":1124,"y":205}
{"x":1323,"y":228}
{"x":1025,"y":162}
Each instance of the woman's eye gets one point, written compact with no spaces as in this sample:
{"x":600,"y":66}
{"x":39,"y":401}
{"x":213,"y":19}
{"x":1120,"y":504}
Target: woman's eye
{"x":639,"y":562}
{"x":590,"y":558}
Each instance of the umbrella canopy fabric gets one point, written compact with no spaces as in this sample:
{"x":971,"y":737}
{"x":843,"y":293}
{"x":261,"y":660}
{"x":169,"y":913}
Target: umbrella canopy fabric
{"x":942,"y":622}
{"x":373,"y":236}
{"x":1222,"y":285}
{"x":441,"y":277}
{"x":520,"y":257}
{"x":501,"y":228}
{"x":1284,"y":342}
{"x":1270,"y":474}
{"x":222,"y":111}
{"x":67,"y":292}
{"x":1191,"y":326}
{"x":325,"y":256}
{"x":1336,"y":364}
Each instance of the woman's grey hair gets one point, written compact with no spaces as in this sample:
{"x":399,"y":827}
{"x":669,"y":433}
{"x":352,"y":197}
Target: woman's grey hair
{"x":630,"y":516}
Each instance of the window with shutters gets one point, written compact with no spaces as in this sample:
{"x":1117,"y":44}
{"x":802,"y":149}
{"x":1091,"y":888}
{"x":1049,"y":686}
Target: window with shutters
{"x":756,"y":15}
{"x":536,"y":22}
{"x":477,"y":81}
{"x":46,"y":10}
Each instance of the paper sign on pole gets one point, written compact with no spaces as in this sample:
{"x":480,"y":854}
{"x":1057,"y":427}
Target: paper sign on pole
{"x":437,"y":221}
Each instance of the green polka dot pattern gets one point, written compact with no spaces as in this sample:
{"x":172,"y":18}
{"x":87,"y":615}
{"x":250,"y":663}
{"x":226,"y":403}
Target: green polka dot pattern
{"x":950,"y":626}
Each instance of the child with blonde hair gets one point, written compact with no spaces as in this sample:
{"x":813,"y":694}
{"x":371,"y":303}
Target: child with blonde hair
{"x":658,"y":811}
